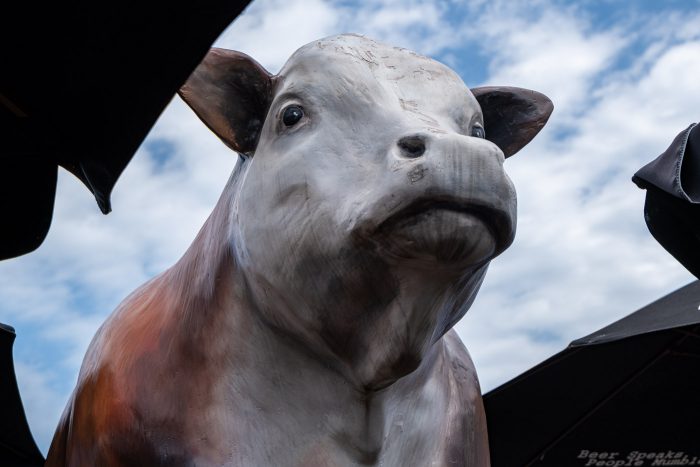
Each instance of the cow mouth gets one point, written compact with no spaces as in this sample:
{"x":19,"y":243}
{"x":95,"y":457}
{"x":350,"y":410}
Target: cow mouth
{"x":463,"y":218}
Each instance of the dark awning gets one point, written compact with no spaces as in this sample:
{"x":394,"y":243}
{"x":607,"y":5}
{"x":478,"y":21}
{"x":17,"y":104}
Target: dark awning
{"x":17,"y":446}
{"x":632,"y":387}
{"x":81,"y":85}
{"x":672,"y":208}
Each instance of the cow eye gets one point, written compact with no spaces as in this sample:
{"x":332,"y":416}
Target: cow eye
{"x":478,"y":131}
{"x":292,"y":115}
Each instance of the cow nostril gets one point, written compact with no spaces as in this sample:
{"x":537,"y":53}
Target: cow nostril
{"x":412,"y":146}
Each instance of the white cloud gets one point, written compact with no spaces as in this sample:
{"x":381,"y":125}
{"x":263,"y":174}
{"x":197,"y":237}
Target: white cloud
{"x":418,"y":25}
{"x":43,"y":405}
{"x":552,"y":50}
{"x":271,"y":30}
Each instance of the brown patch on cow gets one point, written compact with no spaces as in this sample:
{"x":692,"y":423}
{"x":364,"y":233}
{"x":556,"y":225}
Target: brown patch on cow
{"x":166,"y":335}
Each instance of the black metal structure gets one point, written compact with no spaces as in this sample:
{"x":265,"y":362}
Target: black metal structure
{"x":621,"y":394}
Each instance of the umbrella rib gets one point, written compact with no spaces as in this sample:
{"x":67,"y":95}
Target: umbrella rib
{"x":689,"y":333}
{"x":595,"y":408}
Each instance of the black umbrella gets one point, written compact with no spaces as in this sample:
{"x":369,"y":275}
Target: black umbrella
{"x":672,"y":208}
{"x":81,"y":85}
{"x":626,"y":395}
{"x":17,"y":447}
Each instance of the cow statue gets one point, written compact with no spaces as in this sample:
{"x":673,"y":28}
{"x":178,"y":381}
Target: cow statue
{"x":309,"y":323}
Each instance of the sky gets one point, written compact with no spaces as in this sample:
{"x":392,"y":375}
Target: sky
{"x":623,"y":76}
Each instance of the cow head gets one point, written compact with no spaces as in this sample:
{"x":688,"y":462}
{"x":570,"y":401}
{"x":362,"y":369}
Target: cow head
{"x":370,"y":195}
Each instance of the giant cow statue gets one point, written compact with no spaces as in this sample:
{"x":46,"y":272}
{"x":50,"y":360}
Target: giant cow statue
{"x":309,"y":323}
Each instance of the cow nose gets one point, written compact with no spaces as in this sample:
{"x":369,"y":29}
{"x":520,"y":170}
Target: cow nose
{"x":412,"y":146}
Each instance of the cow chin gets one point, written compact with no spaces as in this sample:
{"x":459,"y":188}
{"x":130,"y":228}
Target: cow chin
{"x":445,"y":235}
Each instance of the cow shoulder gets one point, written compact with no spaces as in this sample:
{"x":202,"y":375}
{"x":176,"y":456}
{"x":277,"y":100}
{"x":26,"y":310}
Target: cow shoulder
{"x":121,"y":412}
{"x":466,"y":429}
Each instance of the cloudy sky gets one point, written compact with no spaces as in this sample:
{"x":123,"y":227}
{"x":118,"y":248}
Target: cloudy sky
{"x":623,"y":76}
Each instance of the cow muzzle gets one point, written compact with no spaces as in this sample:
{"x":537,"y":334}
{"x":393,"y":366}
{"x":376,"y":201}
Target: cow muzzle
{"x":451,"y":200}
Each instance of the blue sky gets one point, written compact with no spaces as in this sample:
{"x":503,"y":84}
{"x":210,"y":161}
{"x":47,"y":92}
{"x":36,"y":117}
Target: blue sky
{"x":623,"y":78}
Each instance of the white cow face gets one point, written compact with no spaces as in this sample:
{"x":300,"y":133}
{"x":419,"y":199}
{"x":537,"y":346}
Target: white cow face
{"x":372,"y":194}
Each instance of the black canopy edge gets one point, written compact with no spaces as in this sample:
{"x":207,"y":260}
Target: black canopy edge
{"x":17,"y":445}
{"x":651,"y":316}
{"x":82,"y":91}
{"x":677,"y":309}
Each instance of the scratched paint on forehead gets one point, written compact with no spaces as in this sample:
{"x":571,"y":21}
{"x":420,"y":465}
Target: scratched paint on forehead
{"x":402,"y":73}
{"x":384,"y":61}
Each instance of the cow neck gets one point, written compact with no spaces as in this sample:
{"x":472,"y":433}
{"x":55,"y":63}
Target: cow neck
{"x":197,"y":277}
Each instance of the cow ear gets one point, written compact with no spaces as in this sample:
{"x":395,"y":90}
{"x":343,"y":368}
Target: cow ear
{"x":231,"y":93}
{"x":512,"y":116}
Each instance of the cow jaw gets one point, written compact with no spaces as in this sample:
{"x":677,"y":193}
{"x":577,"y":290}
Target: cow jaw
{"x":370,"y":317}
